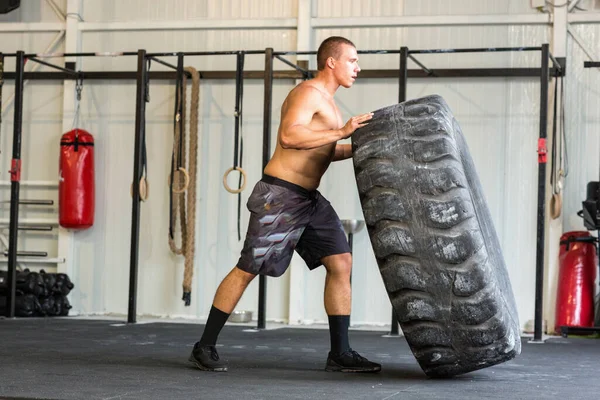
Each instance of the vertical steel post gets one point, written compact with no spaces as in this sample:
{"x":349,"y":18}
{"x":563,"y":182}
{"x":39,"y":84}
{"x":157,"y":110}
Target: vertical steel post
{"x":140,"y":132}
{"x":15,"y":186}
{"x":15,"y":178}
{"x":402,"y":82}
{"x":262,"y":282}
{"x":541,"y":209}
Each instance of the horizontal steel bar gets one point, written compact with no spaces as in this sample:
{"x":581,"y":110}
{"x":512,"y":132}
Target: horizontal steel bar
{"x":37,"y":202}
{"x":31,"y":221}
{"x":29,"y":253}
{"x":36,"y":260}
{"x":32,"y":183}
{"x":280,"y":53}
{"x":35,"y":228}
{"x":61,"y":55}
{"x":309,"y":52}
{"x":375,"y":73}
{"x":32,"y":202}
{"x":591,"y":64}
{"x":476,"y":50}
{"x":205,"y":53}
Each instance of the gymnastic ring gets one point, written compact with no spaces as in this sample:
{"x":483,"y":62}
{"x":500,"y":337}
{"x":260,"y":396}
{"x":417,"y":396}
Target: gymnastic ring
{"x":186,"y":177}
{"x":555,"y":206}
{"x":144,"y":189}
{"x":230,"y":190}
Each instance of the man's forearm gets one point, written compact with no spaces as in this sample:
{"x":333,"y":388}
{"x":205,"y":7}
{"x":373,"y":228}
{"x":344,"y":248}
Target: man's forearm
{"x":301,"y":138}
{"x":342,"y":152}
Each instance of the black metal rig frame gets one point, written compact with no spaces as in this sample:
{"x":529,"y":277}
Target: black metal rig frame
{"x":142,"y":76}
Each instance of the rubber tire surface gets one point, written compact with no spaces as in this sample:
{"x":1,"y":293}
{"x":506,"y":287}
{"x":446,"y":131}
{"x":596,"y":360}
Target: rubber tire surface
{"x":434,"y":240}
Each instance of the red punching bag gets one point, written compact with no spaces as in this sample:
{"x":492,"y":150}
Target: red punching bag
{"x":76,"y":180}
{"x":576,"y":276}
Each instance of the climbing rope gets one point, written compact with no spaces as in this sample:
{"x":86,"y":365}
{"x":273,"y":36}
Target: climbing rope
{"x":182,"y":181}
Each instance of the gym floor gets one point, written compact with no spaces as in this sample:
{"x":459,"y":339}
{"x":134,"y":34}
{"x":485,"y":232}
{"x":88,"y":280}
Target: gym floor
{"x":73,"y":358}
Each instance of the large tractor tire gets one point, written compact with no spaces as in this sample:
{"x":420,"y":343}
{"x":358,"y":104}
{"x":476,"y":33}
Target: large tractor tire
{"x":434,"y":240}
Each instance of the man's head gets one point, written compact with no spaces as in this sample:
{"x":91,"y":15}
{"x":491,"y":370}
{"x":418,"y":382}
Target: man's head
{"x":338,"y":55}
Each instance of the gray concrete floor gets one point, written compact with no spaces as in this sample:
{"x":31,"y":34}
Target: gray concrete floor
{"x":71,"y":358}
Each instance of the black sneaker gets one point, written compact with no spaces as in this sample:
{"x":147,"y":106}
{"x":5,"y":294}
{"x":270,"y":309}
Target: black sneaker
{"x":206,"y":358}
{"x":350,"y":361}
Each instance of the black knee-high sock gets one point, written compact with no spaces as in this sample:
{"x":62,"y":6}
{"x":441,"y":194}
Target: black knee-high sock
{"x":338,"y":333}
{"x":214,"y":323}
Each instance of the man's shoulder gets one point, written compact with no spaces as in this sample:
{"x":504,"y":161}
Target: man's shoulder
{"x":307,"y":90}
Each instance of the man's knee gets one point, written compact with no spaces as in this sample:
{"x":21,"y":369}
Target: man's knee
{"x":339,"y":264}
{"x":240,"y":274}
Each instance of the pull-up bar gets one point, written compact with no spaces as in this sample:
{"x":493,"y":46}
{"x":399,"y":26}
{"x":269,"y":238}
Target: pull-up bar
{"x":476,"y":50}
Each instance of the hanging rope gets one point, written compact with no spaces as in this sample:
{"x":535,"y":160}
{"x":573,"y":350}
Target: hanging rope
{"x":144,"y":186}
{"x":239,"y":141}
{"x":559,"y":169}
{"x":183,"y":184}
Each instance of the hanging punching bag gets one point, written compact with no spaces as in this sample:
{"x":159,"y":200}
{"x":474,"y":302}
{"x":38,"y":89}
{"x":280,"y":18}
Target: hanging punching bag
{"x":76,"y":182}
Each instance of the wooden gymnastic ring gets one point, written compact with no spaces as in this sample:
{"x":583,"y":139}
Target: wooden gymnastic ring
{"x":186,"y":179}
{"x":144,"y":189}
{"x":230,"y":190}
{"x":555,"y":206}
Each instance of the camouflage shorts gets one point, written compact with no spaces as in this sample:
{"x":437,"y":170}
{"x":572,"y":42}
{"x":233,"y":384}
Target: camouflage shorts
{"x":285,"y":217}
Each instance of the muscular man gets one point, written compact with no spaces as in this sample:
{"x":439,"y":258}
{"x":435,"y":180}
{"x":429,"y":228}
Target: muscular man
{"x":288,"y":213}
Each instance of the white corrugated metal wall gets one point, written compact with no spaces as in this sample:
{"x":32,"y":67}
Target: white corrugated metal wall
{"x":499,"y":117}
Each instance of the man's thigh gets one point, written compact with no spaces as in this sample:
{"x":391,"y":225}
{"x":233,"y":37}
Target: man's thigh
{"x":278,"y":218}
{"x":323,"y":236}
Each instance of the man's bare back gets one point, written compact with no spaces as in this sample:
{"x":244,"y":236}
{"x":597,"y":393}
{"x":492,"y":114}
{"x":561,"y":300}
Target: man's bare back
{"x":311,"y":124}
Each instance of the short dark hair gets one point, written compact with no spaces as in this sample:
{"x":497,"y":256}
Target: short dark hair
{"x":330,"y":47}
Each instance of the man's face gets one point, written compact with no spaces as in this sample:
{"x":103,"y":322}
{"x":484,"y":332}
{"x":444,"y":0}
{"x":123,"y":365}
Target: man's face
{"x":346,"y":66}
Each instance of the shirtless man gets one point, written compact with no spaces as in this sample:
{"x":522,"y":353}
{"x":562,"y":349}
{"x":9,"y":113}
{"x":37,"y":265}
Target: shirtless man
{"x":288,"y":213}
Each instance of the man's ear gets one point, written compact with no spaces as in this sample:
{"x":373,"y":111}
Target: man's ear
{"x":330,"y":62}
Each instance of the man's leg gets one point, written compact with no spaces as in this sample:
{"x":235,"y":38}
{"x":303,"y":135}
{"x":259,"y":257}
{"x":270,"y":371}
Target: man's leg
{"x":338,"y":293}
{"x":228,"y":294}
{"x":231,"y":289}
{"x":226,"y":298}
{"x":338,"y":304}
{"x":338,"y":299}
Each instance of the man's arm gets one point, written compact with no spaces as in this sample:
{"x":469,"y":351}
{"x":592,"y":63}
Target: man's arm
{"x":302,"y":106}
{"x":342,"y":152}
{"x":295,"y":133}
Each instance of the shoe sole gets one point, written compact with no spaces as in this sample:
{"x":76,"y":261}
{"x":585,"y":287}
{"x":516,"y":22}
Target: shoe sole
{"x":339,"y":368}
{"x":204,"y":368}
